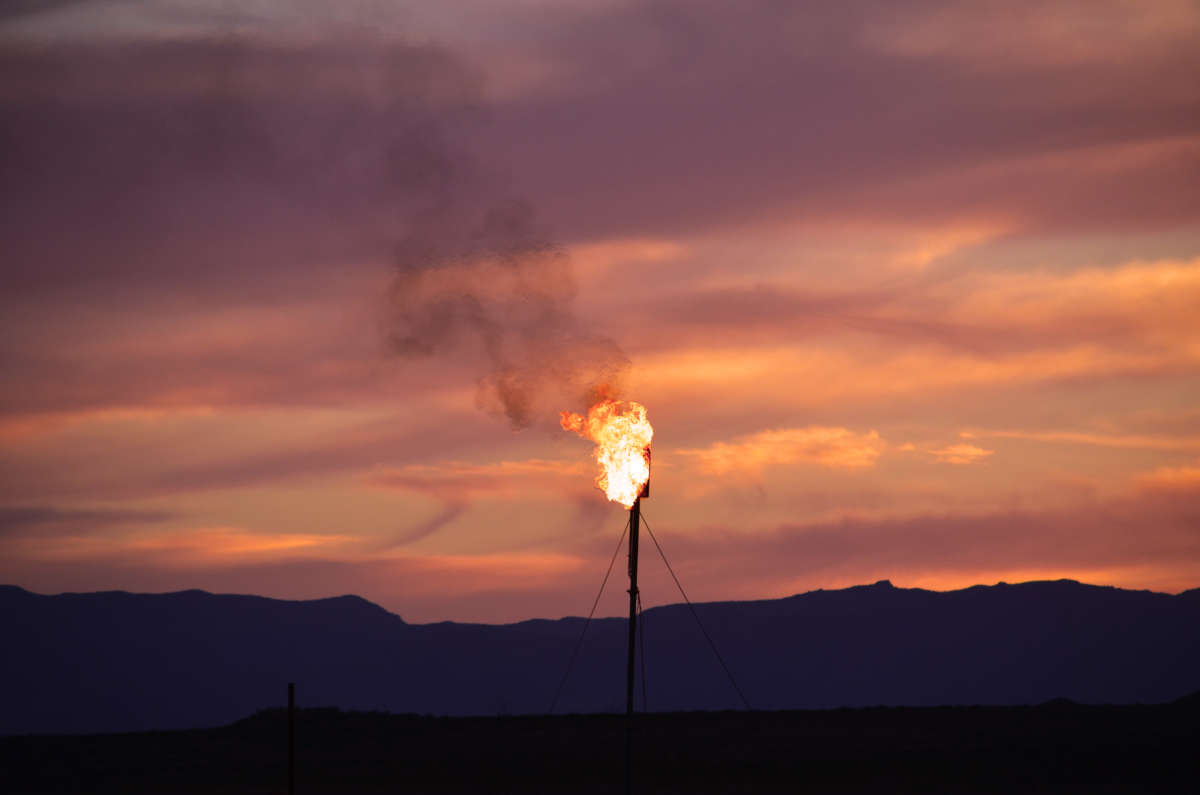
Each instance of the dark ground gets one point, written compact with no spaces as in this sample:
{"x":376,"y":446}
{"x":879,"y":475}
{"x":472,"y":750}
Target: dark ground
{"x":1055,"y":747}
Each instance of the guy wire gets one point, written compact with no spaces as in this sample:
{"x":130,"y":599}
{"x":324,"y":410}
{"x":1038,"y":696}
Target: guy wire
{"x":586,"y":624}
{"x":695,"y":615}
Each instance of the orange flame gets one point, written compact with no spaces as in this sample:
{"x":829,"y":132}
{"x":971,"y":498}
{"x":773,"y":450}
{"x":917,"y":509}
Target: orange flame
{"x":622,"y":435}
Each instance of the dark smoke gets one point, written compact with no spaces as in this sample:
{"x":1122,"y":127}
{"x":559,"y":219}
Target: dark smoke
{"x":212,"y":162}
{"x":489,"y":279}
{"x":249,"y":169}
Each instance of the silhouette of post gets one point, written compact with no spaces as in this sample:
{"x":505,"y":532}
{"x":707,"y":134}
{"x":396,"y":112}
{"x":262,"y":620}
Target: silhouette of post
{"x":635,"y":517}
{"x":291,"y":738}
{"x":635,"y":520}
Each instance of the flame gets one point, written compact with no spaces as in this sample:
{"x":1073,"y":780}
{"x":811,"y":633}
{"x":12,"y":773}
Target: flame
{"x":622,"y":435}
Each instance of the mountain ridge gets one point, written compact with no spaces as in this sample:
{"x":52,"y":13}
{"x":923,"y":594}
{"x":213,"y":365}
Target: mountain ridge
{"x":355,"y":598}
{"x":116,"y":661}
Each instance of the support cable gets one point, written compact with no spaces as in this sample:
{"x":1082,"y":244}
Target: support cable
{"x":696,"y":616}
{"x":587,"y":623}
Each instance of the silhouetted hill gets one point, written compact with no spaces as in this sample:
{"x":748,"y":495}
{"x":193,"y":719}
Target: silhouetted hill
{"x":116,"y":661}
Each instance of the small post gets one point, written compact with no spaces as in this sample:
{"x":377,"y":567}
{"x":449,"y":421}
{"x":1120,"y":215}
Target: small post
{"x":291,"y":738}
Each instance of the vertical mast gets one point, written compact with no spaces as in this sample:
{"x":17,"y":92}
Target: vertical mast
{"x":635,"y":517}
{"x":635,"y":521}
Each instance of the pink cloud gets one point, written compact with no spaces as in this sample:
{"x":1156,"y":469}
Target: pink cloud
{"x":960,"y":454}
{"x":836,"y":448}
{"x":1177,"y":479}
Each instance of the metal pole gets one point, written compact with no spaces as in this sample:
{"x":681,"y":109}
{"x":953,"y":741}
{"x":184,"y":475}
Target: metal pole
{"x":635,"y":517}
{"x":291,"y":738}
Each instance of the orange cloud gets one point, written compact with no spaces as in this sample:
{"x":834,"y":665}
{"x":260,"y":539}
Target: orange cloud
{"x":594,"y":259}
{"x":836,"y":448}
{"x":1129,"y":441}
{"x":1156,"y":300}
{"x":232,"y":542}
{"x":931,"y":246}
{"x":960,"y":454}
{"x":995,"y":34}
{"x":183,"y":548}
{"x":829,"y":373}
{"x":1181,"y":478}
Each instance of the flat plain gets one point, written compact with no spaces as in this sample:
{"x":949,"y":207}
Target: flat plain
{"x":1056,"y":747}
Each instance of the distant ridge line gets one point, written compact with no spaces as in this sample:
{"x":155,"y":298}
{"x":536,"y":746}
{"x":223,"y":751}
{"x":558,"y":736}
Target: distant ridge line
{"x":355,"y":598}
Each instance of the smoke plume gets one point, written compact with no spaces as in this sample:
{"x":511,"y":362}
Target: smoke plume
{"x":256,"y":168}
{"x":488,"y":281}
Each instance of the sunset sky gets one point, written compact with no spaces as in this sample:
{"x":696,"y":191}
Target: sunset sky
{"x":911,"y":290}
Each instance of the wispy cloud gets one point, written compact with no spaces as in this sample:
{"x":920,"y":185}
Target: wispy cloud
{"x":50,"y":521}
{"x":515,"y":479}
{"x":174,"y":548}
{"x":1184,"y":478}
{"x":991,"y":34}
{"x":835,"y":448}
{"x":960,"y":454}
{"x":1117,"y":440}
